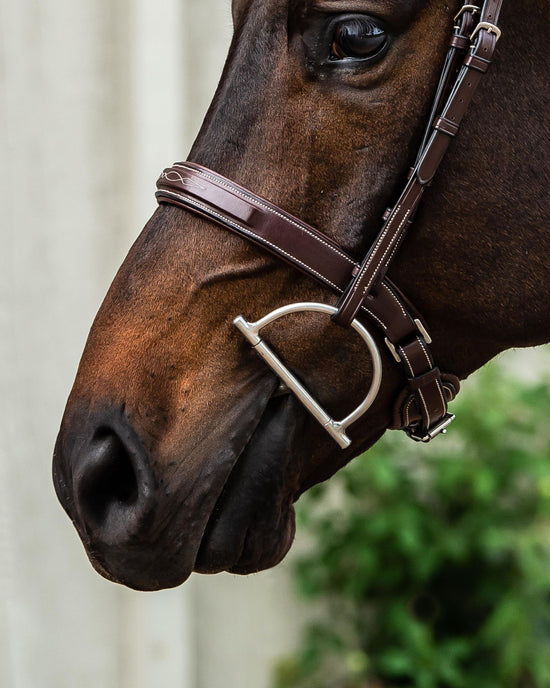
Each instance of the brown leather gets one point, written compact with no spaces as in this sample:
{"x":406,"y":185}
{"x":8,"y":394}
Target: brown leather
{"x":460,"y":42}
{"x":395,"y":227}
{"x":446,"y":126}
{"x":490,"y":12}
{"x":458,"y":45}
{"x":207,"y":193}
{"x":407,"y":412}
{"x":421,"y":406}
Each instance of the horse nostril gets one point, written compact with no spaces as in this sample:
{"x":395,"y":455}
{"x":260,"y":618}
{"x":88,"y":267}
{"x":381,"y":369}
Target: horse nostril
{"x":113,"y":488}
{"x":109,"y":478}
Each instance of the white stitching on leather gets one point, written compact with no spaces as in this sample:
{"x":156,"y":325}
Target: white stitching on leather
{"x":325,"y":280}
{"x":441,"y":394}
{"x":395,"y":249}
{"x":402,"y":351}
{"x":242,"y":229}
{"x":252,"y":234}
{"x":256,"y":202}
{"x":364,"y":308}
{"x":390,"y":247}
{"x":406,"y":411}
{"x":430,"y":363}
{"x":395,"y":299}
{"x":425,"y":407}
{"x":372,"y":252}
{"x":421,"y":342}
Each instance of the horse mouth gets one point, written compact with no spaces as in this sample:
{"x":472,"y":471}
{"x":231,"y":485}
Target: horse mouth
{"x":245,"y":499}
{"x":252,"y":525}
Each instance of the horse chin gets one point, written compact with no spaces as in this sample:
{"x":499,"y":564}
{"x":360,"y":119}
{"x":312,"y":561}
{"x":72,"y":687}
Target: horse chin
{"x":252,"y":525}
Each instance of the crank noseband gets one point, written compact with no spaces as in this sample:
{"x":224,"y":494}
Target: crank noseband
{"x":364,"y":289}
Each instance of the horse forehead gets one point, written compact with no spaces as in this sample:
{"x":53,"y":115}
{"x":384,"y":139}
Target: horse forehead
{"x":399,"y":9}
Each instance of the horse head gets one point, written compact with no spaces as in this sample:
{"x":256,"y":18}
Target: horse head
{"x":179,"y":449}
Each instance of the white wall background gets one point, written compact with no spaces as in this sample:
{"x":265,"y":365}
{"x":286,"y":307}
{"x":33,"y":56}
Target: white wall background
{"x":96,"y":97}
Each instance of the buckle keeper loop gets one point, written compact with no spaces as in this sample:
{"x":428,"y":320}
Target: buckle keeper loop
{"x":416,"y":383}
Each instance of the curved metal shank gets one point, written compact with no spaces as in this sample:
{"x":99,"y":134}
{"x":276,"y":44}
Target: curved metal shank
{"x":335,"y":428}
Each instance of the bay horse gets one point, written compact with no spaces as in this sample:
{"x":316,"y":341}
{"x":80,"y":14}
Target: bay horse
{"x":180,"y":450}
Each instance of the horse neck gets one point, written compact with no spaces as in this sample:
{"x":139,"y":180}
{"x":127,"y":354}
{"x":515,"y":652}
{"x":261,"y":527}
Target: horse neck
{"x":483,"y":228}
{"x":505,"y":138}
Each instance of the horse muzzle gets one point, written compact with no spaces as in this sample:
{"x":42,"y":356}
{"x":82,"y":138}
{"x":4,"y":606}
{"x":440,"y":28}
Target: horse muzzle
{"x":105,"y":483}
{"x":148,"y":526}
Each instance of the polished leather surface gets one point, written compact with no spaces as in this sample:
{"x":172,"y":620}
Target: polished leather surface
{"x":207,"y":193}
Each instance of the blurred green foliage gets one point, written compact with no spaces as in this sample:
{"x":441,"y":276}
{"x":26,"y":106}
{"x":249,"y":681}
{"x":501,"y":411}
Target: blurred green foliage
{"x":433,"y":562}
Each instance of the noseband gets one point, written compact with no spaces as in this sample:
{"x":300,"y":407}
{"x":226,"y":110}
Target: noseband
{"x":364,"y":289}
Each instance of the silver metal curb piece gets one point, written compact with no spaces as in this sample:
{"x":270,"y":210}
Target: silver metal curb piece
{"x":335,"y":428}
{"x":438,"y":429}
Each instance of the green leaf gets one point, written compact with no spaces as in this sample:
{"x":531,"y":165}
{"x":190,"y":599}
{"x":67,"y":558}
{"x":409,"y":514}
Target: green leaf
{"x":432,"y":563}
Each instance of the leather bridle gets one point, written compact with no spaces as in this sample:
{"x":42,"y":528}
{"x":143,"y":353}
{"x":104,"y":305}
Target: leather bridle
{"x":364,"y":289}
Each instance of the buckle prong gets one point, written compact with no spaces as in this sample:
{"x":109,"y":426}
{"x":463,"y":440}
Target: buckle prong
{"x":474,"y":9}
{"x":486,"y":26}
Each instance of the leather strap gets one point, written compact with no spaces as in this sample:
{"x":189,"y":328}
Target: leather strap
{"x":207,"y":193}
{"x":421,"y":406}
{"x":458,"y":45}
{"x":393,"y":231}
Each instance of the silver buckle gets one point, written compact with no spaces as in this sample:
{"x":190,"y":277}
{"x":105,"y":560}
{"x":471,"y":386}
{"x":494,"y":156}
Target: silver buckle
{"x":432,"y":433}
{"x":486,"y":26}
{"x":423,"y":331}
{"x":467,"y":8}
{"x":335,"y":428}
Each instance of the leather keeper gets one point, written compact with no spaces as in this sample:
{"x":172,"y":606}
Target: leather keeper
{"x":406,"y":400}
{"x":460,"y":42}
{"x":451,"y":385}
{"x":478,"y":63}
{"x":416,"y":383}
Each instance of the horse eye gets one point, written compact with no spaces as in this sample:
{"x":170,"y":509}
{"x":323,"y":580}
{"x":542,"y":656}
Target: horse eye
{"x":357,"y":38}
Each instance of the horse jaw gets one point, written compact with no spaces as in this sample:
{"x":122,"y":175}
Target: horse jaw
{"x":252,"y":525}
{"x":221,"y":461}
{"x":165,"y":330}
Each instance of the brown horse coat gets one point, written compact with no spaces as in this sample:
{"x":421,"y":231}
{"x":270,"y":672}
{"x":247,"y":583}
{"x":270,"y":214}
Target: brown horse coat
{"x":175,"y":454}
